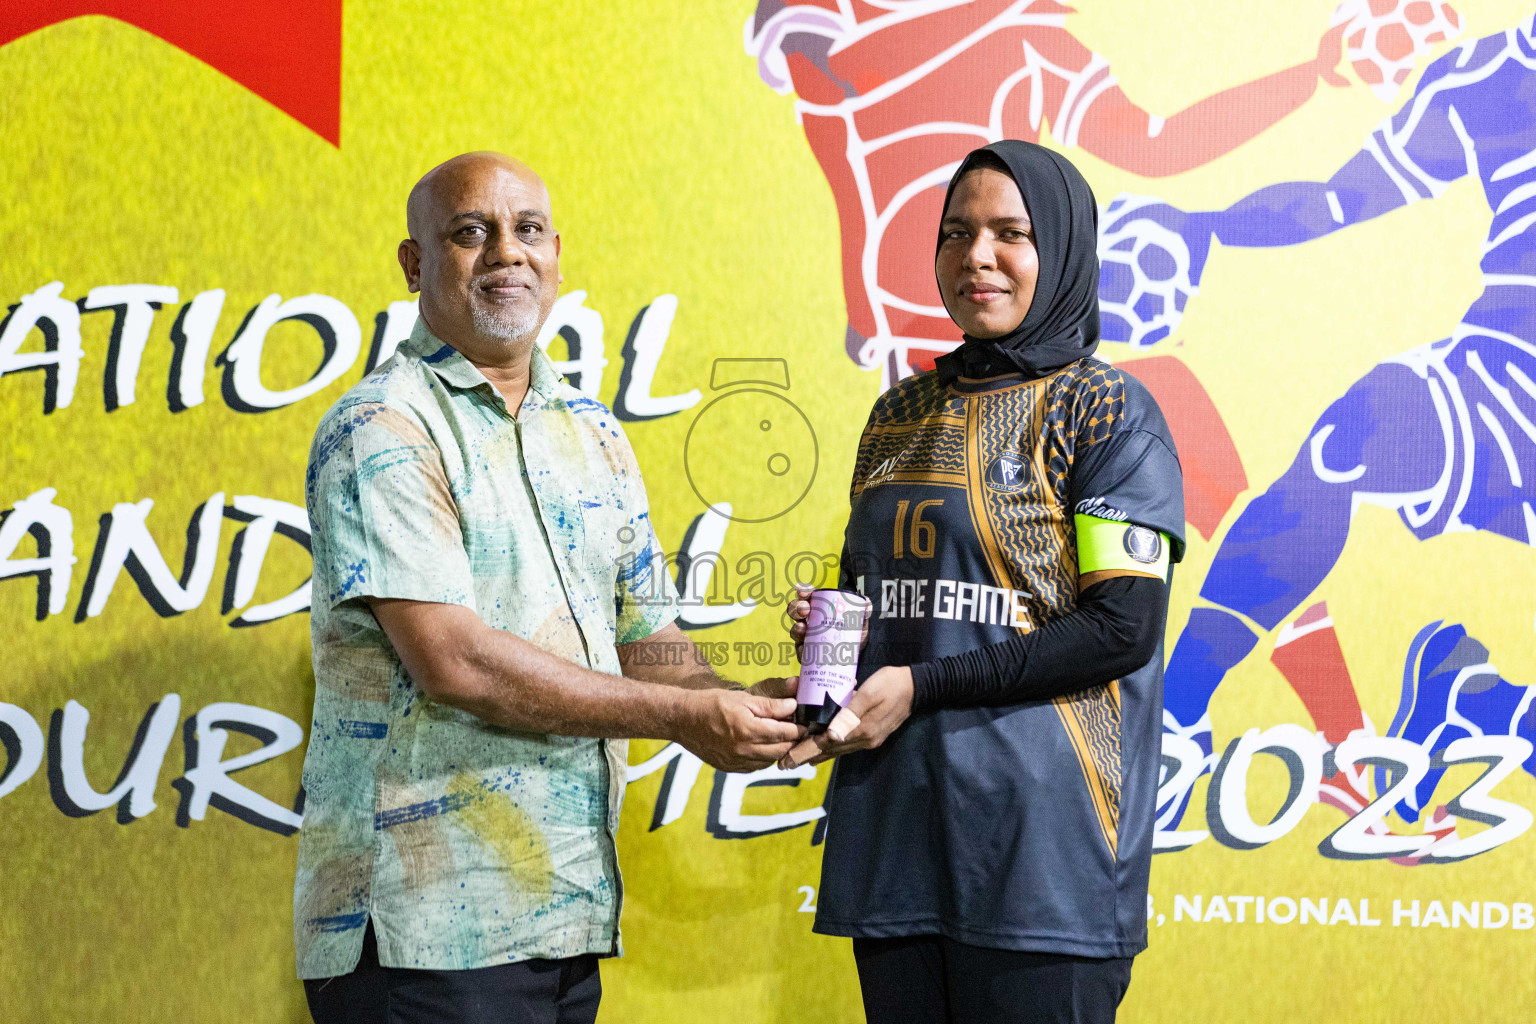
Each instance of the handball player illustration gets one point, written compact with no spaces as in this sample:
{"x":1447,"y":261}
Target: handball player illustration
{"x":893,"y":95}
{"x":1452,"y":690}
{"x":1444,"y":434}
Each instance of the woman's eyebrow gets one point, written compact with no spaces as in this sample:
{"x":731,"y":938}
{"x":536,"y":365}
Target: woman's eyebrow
{"x":1010,"y":219}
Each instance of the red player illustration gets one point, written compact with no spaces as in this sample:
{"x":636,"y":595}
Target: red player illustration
{"x":893,"y":93}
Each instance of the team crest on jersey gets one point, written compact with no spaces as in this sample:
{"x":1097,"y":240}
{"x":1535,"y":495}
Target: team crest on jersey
{"x":1006,"y":473}
{"x":1143,"y":544}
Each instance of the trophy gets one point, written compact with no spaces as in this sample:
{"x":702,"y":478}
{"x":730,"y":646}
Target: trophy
{"x":829,"y":657}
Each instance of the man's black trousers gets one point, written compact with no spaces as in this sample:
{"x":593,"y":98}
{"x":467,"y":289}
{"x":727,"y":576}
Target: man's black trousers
{"x":530,"y":992}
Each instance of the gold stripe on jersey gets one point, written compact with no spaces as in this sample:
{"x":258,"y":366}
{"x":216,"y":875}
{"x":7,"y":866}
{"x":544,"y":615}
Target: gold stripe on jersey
{"x":975,"y":469}
{"x":1092,"y":721}
{"x":1028,"y":521}
{"x":940,"y":479}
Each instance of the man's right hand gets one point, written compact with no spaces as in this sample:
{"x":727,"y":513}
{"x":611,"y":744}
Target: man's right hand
{"x":736,"y":731}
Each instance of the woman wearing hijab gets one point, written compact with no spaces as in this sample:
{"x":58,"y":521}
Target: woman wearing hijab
{"x":1015,"y":514}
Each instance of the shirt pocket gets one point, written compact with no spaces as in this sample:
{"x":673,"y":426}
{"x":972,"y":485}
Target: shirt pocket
{"x":605,"y":532}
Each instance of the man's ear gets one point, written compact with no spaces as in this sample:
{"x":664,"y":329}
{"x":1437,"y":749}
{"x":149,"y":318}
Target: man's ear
{"x":409,"y":255}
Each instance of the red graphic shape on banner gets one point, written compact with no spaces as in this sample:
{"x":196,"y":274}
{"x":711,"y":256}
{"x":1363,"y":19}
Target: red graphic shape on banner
{"x":1308,"y":654}
{"x":893,"y":95}
{"x":1213,"y":471}
{"x":288,"y":54}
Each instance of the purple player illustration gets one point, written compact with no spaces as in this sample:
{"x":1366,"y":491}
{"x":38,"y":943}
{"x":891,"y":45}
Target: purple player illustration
{"x":1444,"y":434}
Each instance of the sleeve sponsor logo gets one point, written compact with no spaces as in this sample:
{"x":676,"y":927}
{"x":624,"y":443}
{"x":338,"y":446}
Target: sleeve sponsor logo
{"x":1096,"y":507}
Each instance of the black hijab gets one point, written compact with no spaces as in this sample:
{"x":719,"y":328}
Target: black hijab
{"x":1062,"y":325}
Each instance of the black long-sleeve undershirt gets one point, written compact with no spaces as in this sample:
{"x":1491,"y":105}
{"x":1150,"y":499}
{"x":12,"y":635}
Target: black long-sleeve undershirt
{"x":1113,"y":631}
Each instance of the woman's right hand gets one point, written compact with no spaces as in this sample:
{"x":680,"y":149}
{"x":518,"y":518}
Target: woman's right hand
{"x":799,"y":609}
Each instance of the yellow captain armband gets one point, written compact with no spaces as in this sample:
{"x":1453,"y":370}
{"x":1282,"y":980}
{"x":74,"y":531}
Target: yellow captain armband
{"x":1105,"y":544}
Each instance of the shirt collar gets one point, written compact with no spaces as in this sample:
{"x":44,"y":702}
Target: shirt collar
{"x":449,"y":364}
{"x":542,"y":375}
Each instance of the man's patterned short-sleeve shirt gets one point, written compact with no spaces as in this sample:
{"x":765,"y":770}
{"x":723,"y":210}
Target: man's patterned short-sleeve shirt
{"x":466,"y":844}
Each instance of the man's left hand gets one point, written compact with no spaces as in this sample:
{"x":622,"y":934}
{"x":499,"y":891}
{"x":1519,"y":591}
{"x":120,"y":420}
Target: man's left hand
{"x":782,"y":687}
{"x":880,"y":704}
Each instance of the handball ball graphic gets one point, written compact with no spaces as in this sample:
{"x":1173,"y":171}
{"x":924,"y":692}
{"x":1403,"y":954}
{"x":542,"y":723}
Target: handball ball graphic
{"x":1144,"y":274}
{"x":751,"y":448}
{"x":1382,"y":38}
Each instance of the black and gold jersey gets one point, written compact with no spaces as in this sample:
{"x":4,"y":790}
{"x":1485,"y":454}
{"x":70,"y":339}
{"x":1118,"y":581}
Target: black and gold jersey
{"x":1020,"y":827}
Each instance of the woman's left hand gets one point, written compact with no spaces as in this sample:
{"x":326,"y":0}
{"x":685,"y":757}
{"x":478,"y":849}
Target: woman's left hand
{"x":880,"y":704}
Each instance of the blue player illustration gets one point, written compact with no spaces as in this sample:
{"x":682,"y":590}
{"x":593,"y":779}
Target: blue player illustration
{"x":1452,"y":689}
{"x":1445,"y":434}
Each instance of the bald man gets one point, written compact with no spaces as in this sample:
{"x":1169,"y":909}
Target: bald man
{"x":492,"y":617}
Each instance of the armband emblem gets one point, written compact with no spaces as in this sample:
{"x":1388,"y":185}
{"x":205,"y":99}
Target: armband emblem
{"x":1143,"y":544}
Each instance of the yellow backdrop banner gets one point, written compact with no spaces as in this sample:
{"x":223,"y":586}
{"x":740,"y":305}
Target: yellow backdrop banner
{"x":1314,"y":236}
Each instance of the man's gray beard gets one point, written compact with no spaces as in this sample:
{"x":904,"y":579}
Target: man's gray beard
{"x":505,"y":323}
